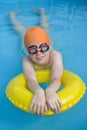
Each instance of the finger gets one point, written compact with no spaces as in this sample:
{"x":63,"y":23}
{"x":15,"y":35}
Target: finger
{"x":38,"y":109}
{"x":41,"y":109}
{"x":54,"y":107}
{"x":51,"y":106}
{"x":48,"y":107}
{"x":59,"y":102}
{"x":35,"y":108}
{"x":58,"y":107}
{"x":45,"y":108}
{"x":31,"y":106}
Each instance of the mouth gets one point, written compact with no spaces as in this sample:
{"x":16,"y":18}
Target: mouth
{"x":39,"y":58}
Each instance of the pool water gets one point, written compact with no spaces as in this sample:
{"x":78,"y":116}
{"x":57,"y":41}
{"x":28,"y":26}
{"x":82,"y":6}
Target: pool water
{"x":68,"y":32}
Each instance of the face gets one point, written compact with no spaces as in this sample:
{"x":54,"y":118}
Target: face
{"x":40,"y":57}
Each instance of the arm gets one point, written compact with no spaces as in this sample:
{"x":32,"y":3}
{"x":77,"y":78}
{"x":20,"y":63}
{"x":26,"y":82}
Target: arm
{"x":56,"y":72}
{"x":17,"y":25}
{"x":30,"y":75}
{"x":44,"y":20}
{"x":20,"y":29}
{"x":52,"y":98}
{"x":38,"y":101}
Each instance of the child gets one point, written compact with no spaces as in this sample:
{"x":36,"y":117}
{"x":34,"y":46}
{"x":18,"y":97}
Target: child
{"x":37,"y":44}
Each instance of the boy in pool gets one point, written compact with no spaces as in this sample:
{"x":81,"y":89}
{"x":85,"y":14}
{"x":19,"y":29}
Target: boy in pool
{"x":37,"y":44}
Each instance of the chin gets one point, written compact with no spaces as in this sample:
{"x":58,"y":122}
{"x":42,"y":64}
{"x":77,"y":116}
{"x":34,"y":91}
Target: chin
{"x":40,"y":62}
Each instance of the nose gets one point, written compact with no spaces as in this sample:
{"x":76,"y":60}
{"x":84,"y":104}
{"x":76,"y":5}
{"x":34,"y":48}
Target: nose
{"x":38,"y":52}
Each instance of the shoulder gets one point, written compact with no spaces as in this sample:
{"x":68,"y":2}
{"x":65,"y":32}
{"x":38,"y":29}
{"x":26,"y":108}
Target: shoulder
{"x":54,"y":55}
{"x":26,"y":60}
{"x":56,"y":64}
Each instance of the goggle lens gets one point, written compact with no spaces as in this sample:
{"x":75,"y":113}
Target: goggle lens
{"x":32,"y":51}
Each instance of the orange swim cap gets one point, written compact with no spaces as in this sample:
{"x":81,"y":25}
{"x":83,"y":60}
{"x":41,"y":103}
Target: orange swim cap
{"x":36,"y":34}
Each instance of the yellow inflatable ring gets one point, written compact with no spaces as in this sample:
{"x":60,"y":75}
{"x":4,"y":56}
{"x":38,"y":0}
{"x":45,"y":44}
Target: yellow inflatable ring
{"x":20,"y":96}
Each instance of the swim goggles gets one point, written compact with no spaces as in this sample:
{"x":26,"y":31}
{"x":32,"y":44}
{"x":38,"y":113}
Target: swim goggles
{"x":34,"y":49}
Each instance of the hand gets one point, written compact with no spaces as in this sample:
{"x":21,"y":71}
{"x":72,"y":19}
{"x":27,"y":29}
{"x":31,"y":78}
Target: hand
{"x":38,"y":102}
{"x":53,"y":100}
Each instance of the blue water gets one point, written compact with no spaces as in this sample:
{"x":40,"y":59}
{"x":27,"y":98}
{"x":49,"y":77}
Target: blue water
{"x":68,"y":31}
